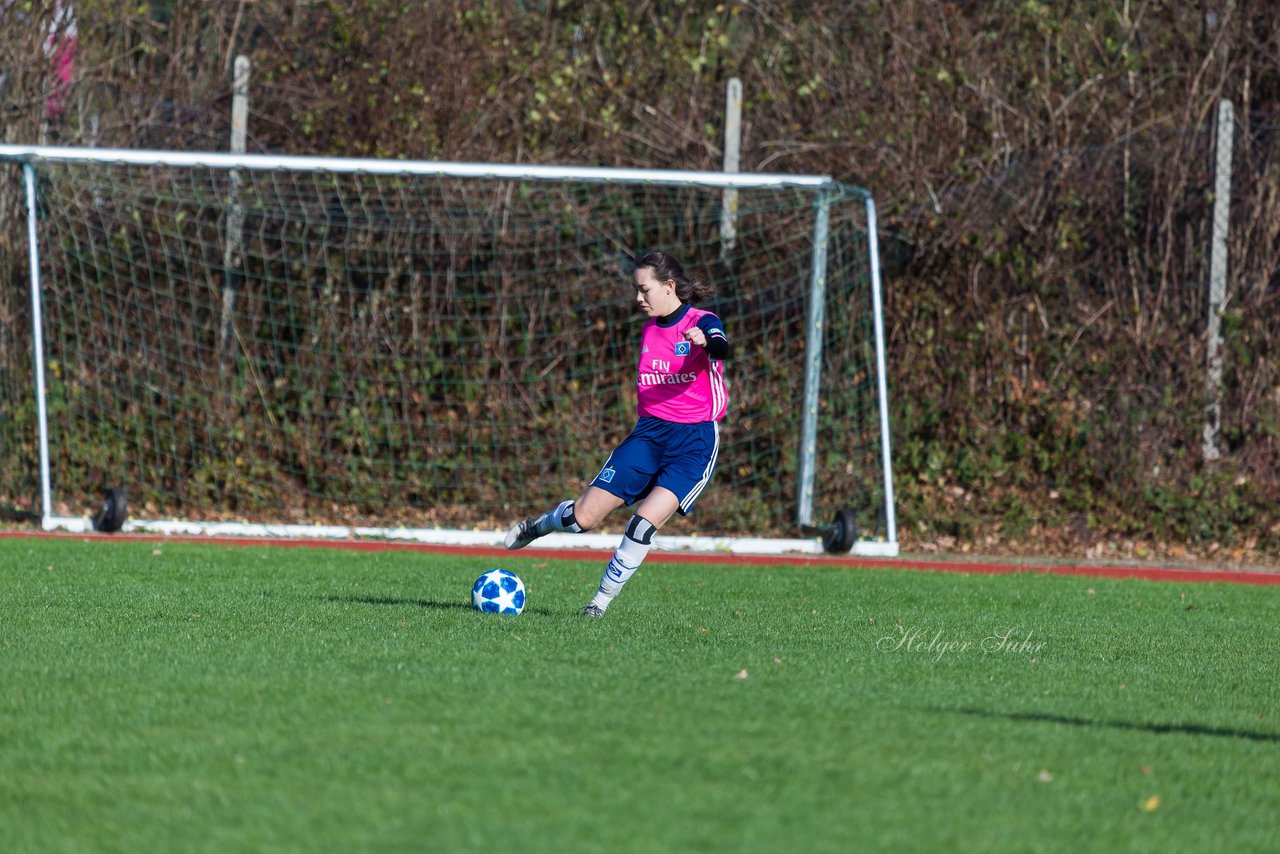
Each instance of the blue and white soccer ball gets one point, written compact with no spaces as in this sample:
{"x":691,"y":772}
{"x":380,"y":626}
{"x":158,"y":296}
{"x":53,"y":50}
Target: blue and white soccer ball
{"x":498,"y":591}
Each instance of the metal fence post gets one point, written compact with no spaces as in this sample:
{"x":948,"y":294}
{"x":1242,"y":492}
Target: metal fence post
{"x":1218,"y":277}
{"x":732,"y":150}
{"x":232,"y":257}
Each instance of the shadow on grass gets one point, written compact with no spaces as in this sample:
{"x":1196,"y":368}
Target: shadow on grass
{"x":1158,"y":729}
{"x":431,"y":604}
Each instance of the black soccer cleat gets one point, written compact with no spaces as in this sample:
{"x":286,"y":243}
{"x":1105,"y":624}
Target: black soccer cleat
{"x":591,"y":610}
{"x":522,"y":533}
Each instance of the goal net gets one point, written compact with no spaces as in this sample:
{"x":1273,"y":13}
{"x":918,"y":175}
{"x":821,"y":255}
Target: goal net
{"x":339,"y":347}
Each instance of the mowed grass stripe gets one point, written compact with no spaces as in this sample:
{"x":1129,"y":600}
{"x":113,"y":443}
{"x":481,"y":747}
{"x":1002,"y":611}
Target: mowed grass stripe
{"x":197,"y":697}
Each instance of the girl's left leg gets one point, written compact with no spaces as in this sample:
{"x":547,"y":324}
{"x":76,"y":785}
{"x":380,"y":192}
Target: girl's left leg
{"x":650,"y":515}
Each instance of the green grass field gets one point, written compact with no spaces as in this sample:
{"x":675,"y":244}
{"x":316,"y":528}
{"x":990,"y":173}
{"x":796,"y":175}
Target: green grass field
{"x":185,"y":697}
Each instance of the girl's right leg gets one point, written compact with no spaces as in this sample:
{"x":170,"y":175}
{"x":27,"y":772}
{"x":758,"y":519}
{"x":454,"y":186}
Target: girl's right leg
{"x":593,"y":505}
{"x":573,"y":517}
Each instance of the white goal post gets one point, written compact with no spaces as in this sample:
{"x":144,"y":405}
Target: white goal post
{"x":335,"y":347}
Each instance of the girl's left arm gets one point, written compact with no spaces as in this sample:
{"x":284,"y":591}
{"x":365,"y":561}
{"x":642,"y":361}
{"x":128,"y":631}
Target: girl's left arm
{"x":716,"y":342}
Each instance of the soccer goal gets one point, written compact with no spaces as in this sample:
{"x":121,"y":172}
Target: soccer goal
{"x":321,"y":347}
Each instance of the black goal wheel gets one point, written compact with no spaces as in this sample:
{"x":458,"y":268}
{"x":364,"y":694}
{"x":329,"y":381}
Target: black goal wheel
{"x":842,"y":533}
{"x":114,"y":510}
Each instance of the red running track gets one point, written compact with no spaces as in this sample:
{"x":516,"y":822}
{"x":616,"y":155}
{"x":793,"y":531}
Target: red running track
{"x":973,"y":567}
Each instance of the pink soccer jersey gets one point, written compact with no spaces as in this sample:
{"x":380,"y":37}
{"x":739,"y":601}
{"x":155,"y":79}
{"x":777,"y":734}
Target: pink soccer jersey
{"x":677,"y":380}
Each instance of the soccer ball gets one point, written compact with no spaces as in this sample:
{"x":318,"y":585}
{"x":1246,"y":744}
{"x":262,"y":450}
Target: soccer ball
{"x":498,"y":591}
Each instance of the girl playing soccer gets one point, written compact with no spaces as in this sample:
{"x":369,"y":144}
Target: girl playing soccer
{"x":668,"y":459}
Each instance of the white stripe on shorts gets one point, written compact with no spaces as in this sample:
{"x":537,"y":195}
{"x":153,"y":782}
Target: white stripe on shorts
{"x":687,"y":501}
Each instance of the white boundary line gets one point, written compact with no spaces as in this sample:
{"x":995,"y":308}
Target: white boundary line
{"x":459,"y":537}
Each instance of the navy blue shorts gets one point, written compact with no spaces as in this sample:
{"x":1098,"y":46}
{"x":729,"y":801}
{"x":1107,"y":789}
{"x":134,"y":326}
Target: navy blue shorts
{"x":678,"y":457}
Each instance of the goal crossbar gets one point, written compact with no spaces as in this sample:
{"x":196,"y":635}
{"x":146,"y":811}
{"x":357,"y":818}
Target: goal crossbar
{"x":372,"y":166}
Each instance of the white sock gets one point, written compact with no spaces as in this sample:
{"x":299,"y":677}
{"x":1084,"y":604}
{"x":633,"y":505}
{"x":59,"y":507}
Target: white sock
{"x":631,"y":552}
{"x":559,"y":519}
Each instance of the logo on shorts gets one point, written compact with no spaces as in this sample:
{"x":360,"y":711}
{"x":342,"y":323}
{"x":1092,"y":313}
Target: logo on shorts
{"x":606,"y":475}
{"x":682,"y":348}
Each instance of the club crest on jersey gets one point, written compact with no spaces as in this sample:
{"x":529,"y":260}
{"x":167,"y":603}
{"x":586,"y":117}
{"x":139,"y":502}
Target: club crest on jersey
{"x":682,"y":348}
{"x":606,"y":475}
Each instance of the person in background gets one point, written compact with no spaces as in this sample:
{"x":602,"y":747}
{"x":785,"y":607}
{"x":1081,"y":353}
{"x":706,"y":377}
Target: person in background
{"x":60,"y":49}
